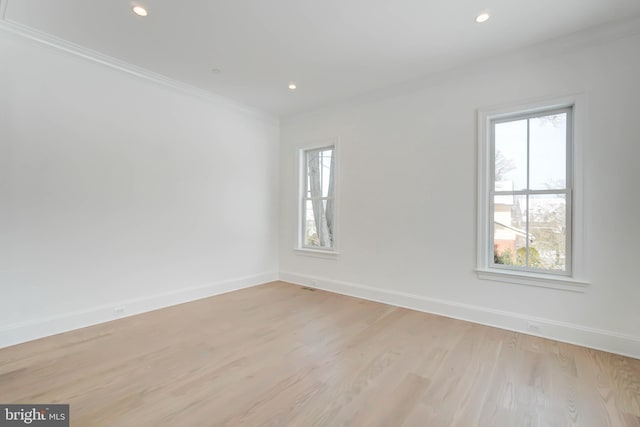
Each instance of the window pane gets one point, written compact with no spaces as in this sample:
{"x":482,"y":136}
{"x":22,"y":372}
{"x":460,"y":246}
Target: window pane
{"x":509,"y":230}
{"x":548,"y":152}
{"x":510,"y":155}
{"x":310,"y":237}
{"x":318,"y":224}
{"x":320,"y":172}
{"x":326,"y":159}
{"x":547,"y":226}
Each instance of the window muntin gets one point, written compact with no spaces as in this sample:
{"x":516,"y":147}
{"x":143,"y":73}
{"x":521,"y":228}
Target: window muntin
{"x":530,"y":197}
{"x":317,"y":221}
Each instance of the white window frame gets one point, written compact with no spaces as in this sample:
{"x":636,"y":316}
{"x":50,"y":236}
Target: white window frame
{"x":572,"y":278}
{"x":300,"y":247}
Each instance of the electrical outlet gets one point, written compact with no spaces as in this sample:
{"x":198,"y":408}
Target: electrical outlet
{"x":119,"y":309}
{"x":533,"y":327}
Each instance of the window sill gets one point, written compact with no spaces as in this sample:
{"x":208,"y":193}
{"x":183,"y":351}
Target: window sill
{"x":533,"y":279}
{"x":317,"y":253}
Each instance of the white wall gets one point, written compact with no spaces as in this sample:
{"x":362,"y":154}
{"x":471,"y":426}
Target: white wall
{"x":408,"y":194}
{"x":118,"y":191}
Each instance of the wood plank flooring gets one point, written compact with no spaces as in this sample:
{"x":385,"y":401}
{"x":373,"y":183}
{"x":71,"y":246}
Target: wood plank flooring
{"x":280,"y":355}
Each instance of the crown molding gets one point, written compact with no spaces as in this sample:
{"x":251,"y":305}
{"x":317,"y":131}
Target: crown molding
{"x":582,"y":39}
{"x":66,"y":46}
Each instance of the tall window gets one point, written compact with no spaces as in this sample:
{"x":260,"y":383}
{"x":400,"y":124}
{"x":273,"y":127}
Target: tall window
{"x":317,"y":210}
{"x":529,"y":192}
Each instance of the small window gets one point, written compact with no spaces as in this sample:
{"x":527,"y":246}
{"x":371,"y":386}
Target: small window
{"x":317,"y":201}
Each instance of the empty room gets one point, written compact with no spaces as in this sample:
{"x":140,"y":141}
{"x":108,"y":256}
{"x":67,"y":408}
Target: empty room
{"x":336,"y":213}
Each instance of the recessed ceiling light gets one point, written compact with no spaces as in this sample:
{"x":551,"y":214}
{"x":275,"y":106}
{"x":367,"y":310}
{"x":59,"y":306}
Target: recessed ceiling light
{"x":140,"y":11}
{"x":292,"y":86}
{"x":483,"y":17}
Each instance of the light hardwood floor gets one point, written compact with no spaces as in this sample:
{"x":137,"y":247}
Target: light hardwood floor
{"x":281,"y":355}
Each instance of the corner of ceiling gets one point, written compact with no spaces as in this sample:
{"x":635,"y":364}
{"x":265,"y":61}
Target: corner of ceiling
{"x":95,"y":56}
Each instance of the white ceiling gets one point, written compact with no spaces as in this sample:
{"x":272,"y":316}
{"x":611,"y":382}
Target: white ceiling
{"x":332,"y":49}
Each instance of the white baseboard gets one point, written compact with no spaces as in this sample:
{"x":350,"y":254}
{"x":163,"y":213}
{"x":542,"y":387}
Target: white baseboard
{"x":38,"y":328}
{"x":613,"y":342}
{"x":626,"y":345}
